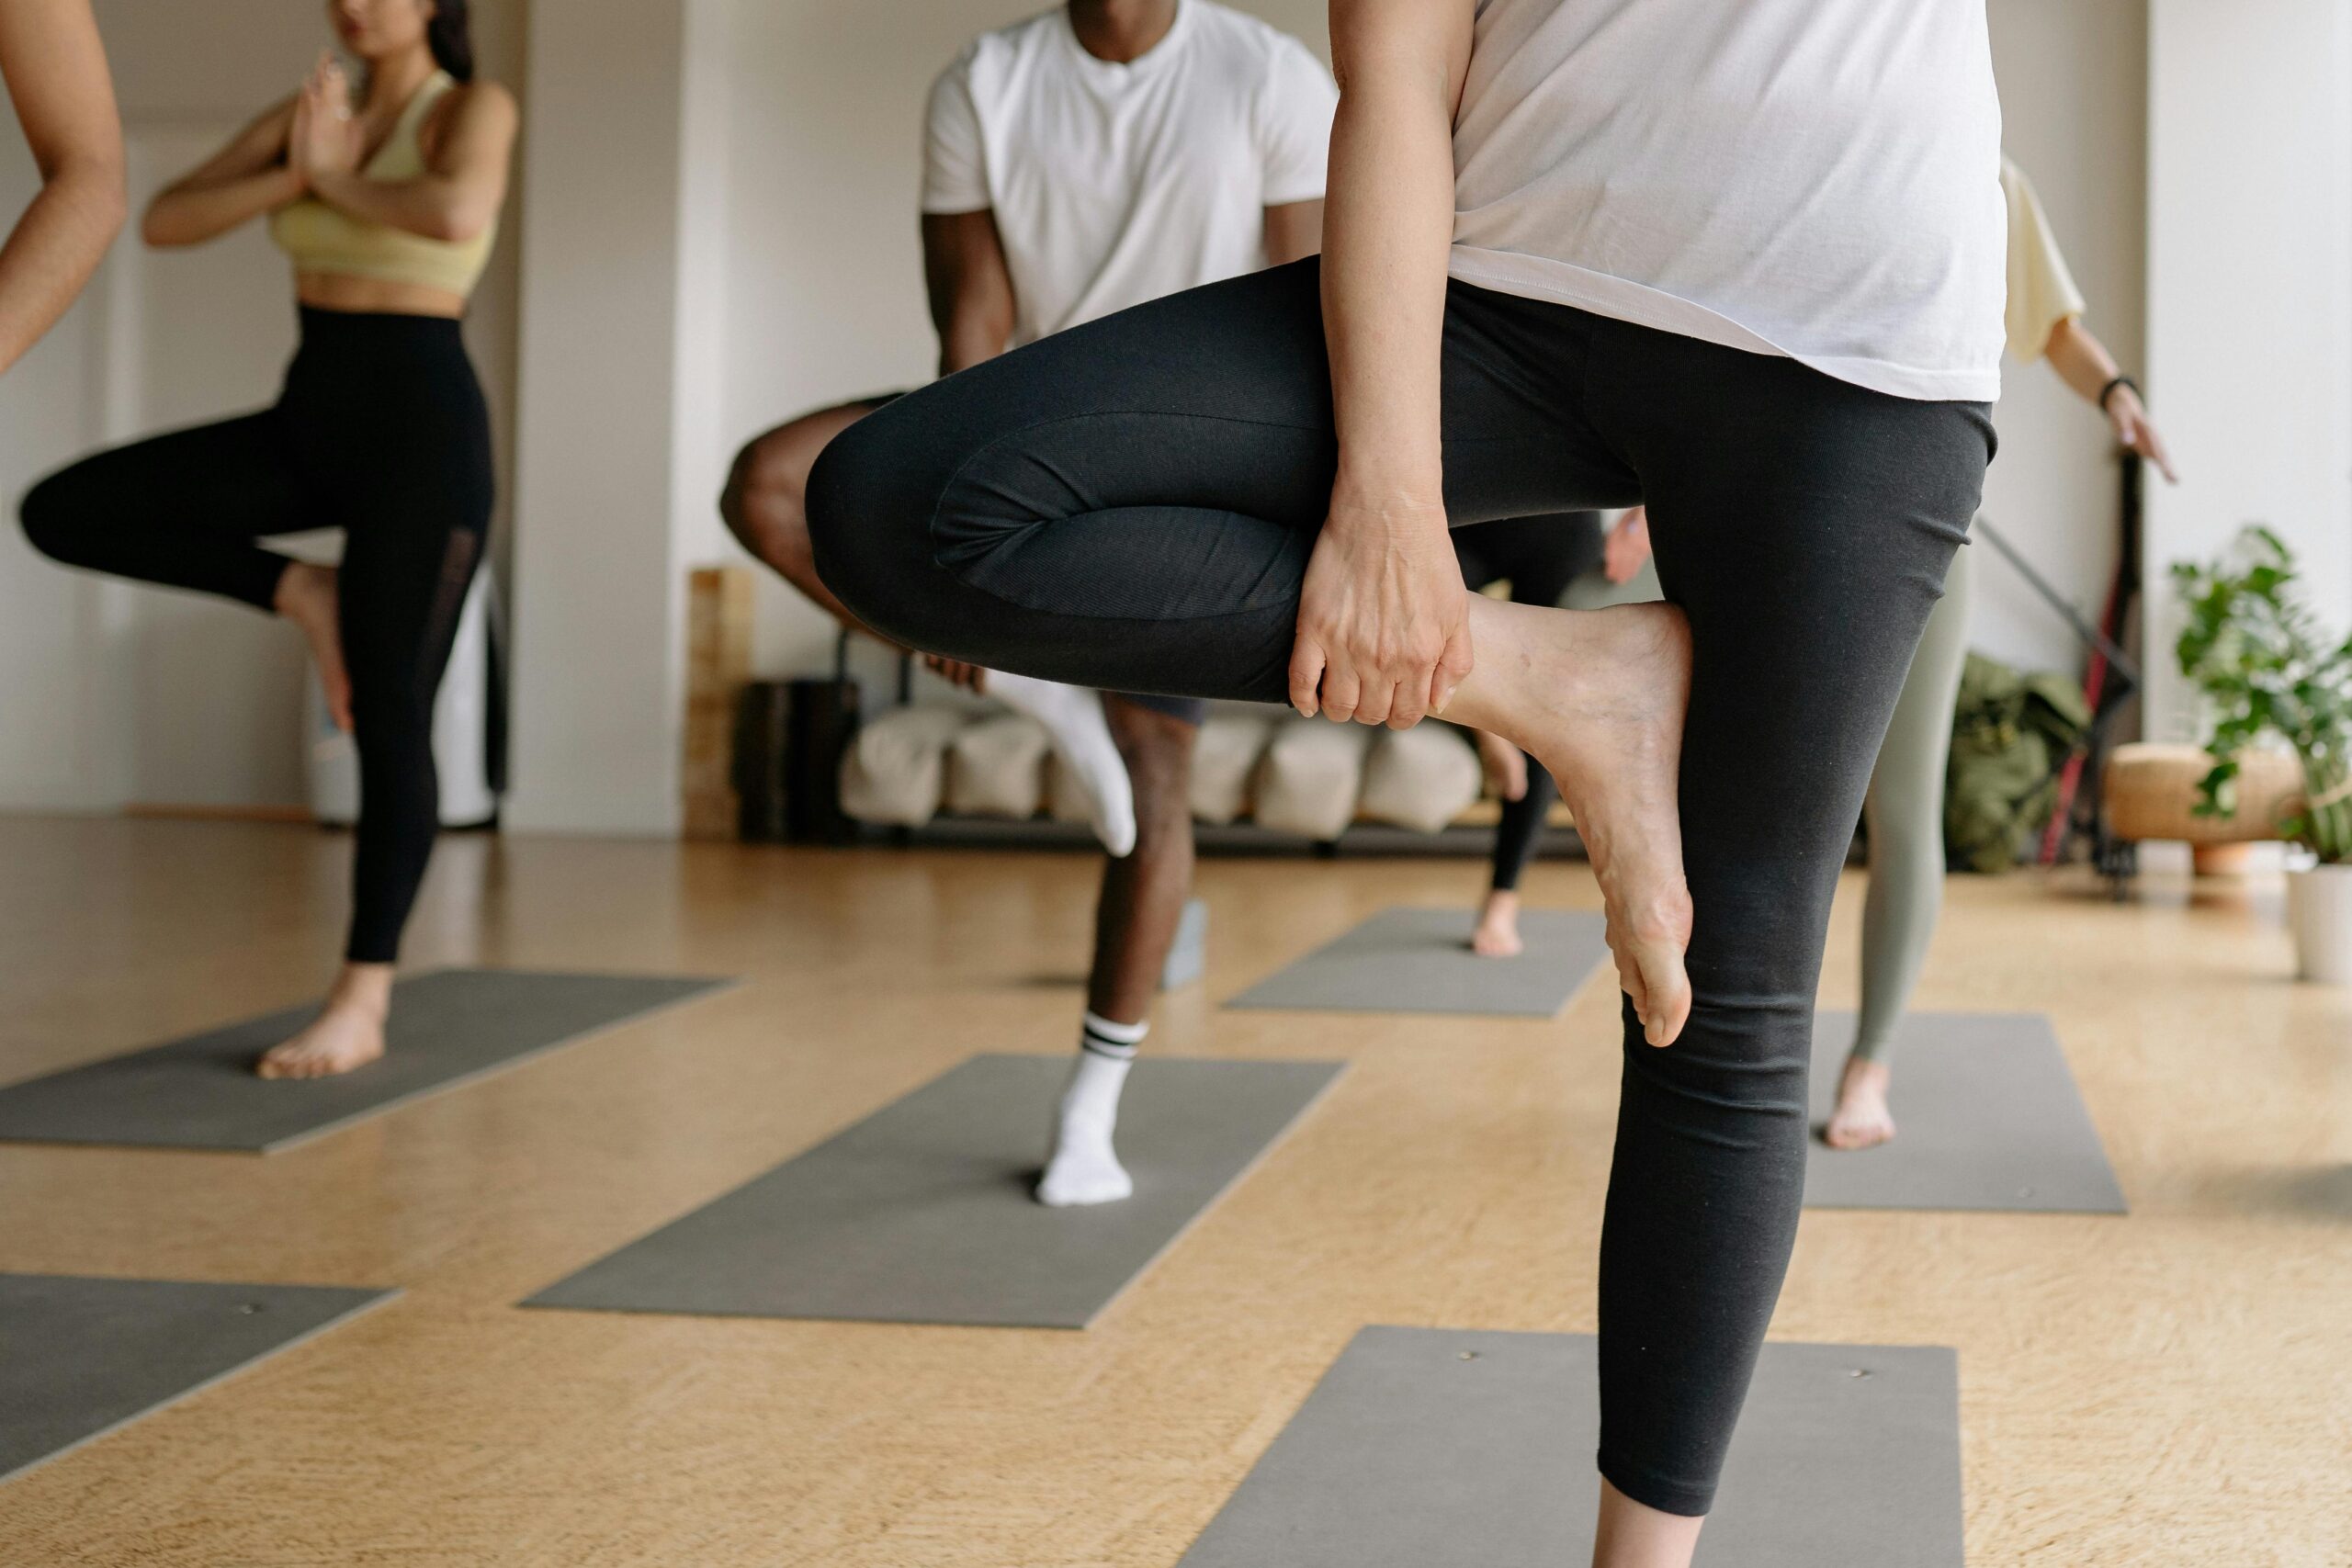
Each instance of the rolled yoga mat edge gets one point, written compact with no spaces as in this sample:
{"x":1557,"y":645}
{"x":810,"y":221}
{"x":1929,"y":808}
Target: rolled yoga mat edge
{"x":920,"y":1213}
{"x":21,"y":1454}
{"x":281,"y":1115}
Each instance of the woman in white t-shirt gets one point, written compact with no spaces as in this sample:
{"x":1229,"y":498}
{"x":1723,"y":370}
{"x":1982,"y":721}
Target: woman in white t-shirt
{"x":1740,"y":260}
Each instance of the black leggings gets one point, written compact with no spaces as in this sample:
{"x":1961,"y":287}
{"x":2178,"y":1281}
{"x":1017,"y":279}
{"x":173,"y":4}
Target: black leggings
{"x":1538,"y":557}
{"x":1130,"y":505}
{"x":380,"y":431}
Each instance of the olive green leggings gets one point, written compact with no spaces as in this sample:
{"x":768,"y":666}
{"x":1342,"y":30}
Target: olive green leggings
{"x":1904,"y":815}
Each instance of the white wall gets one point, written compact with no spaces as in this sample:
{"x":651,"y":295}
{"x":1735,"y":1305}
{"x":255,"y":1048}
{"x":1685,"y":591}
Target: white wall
{"x":111,"y":694}
{"x":618,"y":440}
{"x":2073,"y":104}
{"x":2250,"y":295}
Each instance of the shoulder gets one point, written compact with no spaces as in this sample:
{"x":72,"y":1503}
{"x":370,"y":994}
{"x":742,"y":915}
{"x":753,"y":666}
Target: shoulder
{"x":1002,"y":47}
{"x":1238,"y":32}
{"x":489,"y":101}
{"x":477,"y":110}
{"x":1276,"y":70}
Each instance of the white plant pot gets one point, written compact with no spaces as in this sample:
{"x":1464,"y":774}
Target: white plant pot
{"x":2319,"y":910}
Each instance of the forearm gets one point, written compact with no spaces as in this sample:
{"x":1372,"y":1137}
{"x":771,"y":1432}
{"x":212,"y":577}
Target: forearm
{"x":1387,"y":224}
{"x":55,"y":246}
{"x":2080,"y":359}
{"x":189,"y":215}
{"x":967,"y":340}
{"x":434,"y":207}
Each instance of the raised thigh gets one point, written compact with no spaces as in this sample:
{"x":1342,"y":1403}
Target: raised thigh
{"x":1131,"y":503}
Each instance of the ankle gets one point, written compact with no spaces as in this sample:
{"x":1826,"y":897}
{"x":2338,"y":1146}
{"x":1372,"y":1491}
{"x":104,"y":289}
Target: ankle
{"x":364,"y":987}
{"x":298,"y":588}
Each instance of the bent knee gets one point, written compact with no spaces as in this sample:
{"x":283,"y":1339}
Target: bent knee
{"x":763,"y":505}
{"x":854,"y":520}
{"x":51,"y":519}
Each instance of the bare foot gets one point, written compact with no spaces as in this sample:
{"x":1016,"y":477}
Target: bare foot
{"x":1599,"y":698}
{"x":1497,"y":932}
{"x":1861,"y":1120}
{"x":1504,"y":764}
{"x":348,"y":1033}
{"x":306,"y":596}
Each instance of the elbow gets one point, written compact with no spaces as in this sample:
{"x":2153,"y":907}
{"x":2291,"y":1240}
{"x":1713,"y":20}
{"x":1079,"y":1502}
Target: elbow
{"x":109,"y":208}
{"x":457,"y":224}
{"x":92,"y":186}
{"x":159,"y":228}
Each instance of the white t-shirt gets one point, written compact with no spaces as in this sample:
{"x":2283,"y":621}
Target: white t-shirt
{"x":1114,"y":183}
{"x":1817,"y":178}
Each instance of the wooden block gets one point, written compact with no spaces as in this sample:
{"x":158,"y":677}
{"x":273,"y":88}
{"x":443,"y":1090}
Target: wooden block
{"x":719,"y":664}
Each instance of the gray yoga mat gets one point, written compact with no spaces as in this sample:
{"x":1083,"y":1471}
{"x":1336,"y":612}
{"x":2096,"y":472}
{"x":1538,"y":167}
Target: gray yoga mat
{"x":1424,"y":1447}
{"x":922,"y":1213}
{"x":81,"y":1357}
{"x":1412,"y":960}
{"x":1987,"y":1116}
{"x":448,"y":1027}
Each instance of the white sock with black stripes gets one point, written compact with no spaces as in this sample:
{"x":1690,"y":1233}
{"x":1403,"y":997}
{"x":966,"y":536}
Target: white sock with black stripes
{"x":1084,"y":1167}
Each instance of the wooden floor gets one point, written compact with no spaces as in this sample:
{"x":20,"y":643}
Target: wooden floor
{"x":2170,"y":1388}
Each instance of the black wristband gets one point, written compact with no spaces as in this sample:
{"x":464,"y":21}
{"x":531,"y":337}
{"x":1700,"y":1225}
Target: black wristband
{"x":2108,"y":391}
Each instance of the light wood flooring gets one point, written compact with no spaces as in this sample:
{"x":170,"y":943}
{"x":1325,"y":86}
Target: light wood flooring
{"x":2170,"y":1388}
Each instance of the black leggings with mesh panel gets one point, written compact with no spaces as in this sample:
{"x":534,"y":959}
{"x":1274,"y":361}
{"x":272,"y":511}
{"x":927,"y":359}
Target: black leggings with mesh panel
{"x":381,"y":430}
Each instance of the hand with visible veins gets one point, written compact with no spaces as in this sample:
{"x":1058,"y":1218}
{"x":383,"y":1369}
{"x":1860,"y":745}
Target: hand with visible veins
{"x":1384,"y":634}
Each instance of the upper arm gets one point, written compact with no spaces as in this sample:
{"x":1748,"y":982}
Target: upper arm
{"x":965,"y":272}
{"x":56,"y":71}
{"x":1403,"y":43}
{"x":473,"y":141}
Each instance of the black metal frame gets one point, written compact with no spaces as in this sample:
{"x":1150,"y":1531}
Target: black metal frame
{"x":2116,"y":859}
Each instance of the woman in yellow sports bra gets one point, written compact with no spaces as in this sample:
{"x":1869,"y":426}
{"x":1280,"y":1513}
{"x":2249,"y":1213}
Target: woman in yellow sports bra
{"x":387,"y":208}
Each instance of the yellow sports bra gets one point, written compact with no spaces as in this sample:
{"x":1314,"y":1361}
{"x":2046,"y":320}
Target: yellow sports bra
{"x":321,"y":239}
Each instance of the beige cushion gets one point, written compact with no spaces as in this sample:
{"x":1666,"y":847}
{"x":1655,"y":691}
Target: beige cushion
{"x":895,"y":771}
{"x":1224,"y":761}
{"x":997,"y":768}
{"x":1421,"y":778}
{"x":2151,"y":793}
{"x":1308,"y":780}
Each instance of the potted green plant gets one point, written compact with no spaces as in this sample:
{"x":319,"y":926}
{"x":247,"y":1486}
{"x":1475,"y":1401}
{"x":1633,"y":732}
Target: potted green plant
{"x":2269,"y":673}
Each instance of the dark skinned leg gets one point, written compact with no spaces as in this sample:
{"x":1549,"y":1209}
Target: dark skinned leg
{"x":1144,"y":893}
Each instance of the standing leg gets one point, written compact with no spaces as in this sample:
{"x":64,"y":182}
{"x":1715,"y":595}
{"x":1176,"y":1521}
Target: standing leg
{"x":1905,"y":814}
{"x":1805,"y":526}
{"x":403,"y":582}
{"x":1134,"y":924}
{"x":1517,"y":832}
{"x":765,"y":506}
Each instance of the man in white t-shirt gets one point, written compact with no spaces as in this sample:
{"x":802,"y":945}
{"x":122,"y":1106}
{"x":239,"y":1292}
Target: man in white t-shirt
{"x":1086,"y":160}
